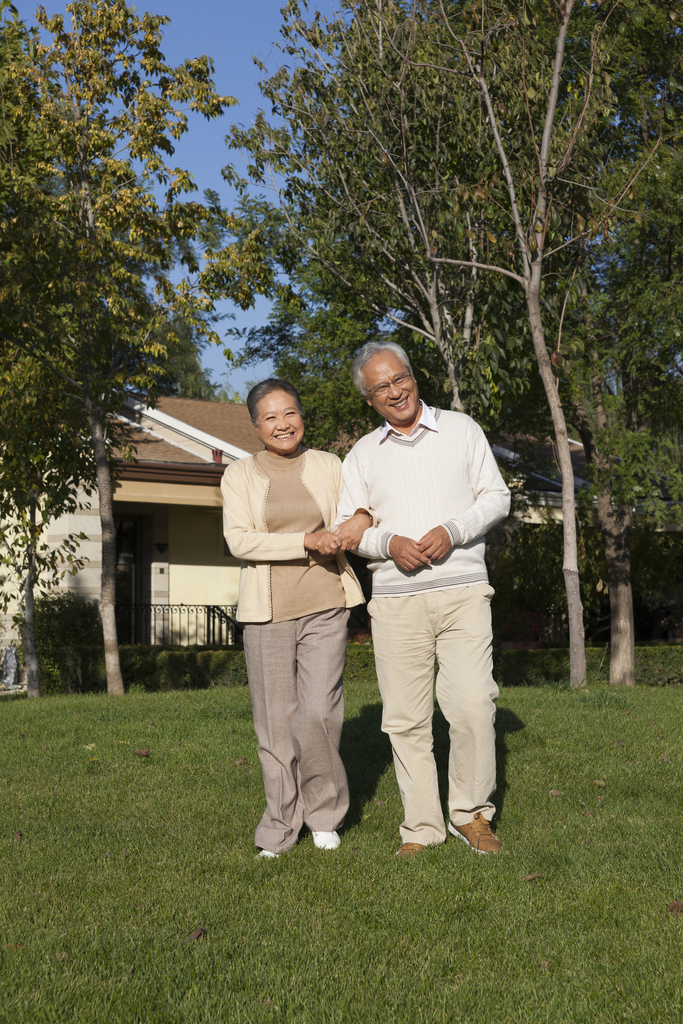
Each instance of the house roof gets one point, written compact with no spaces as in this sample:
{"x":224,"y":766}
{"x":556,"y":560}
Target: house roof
{"x":536,"y":461}
{"x":225,"y":420}
{"x":148,"y":447}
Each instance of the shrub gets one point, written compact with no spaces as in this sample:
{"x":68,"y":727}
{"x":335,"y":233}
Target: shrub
{"x":66,"y":620}
{"x":64,"y":624}
{"x":82,"y":669}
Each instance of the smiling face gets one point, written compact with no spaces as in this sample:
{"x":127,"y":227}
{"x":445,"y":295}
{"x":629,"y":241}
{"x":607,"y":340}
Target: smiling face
{"x":399,"y":402}
{"x":279,"y":425}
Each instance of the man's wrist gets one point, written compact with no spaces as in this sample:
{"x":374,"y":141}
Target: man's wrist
{"x":385,"y":543}
{"x":453,"y":532}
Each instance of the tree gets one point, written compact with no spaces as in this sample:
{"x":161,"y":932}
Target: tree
{"x":99,"y":220}
{"x":182,"y":374}
{"x":625,"y":385}
{"x":47,"y":469}
{"x":440,"y":142}
{"x":315,"y":328}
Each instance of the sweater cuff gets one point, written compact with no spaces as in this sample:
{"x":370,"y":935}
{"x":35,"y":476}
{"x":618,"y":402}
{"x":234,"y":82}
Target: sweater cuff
{"x":453,"y":531}
{"x":384,"y":544}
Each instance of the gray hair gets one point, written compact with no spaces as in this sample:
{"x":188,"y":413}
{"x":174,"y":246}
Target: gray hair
{"x":367,"y":353}
{"x":265,"y":387}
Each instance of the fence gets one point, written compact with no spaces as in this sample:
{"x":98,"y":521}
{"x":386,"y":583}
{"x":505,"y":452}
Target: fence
{"x":181,"y":625}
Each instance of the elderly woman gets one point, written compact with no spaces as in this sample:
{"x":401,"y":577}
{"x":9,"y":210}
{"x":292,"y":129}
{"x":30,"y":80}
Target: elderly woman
{"x":295,"y":590}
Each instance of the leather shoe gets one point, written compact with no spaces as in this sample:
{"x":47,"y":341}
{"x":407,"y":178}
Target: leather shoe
{"x":477,"y":834}
{"x":410,"y":850}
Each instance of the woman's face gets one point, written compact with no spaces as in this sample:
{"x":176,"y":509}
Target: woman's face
{"x":279,"y":425}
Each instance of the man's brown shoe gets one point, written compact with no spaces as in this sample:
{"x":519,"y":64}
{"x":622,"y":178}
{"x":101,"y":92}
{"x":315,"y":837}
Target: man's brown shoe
{"x":477,"y":834}
{"x":410,"y":850}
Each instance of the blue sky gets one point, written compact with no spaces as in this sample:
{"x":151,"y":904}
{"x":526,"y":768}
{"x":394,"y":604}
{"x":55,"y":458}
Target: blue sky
{"x":231,"y":32}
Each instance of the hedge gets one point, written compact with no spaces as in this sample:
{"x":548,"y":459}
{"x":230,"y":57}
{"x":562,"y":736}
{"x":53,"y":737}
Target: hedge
{"x":81,"y":669}
{"x":656,"y":665}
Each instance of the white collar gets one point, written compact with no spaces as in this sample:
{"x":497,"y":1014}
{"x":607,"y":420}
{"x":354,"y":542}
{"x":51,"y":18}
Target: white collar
{"x":427,"y":419}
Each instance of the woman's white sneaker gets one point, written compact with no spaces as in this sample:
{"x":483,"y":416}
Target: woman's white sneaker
{"x":326,"y":840}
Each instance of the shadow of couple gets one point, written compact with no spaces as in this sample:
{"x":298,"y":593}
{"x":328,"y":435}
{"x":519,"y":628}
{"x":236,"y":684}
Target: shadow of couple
{"x":366,"y":753}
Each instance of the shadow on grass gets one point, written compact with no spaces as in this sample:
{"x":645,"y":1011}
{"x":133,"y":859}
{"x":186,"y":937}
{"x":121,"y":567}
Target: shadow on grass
{"x":366,"y":753}
{"x":506,"y":722}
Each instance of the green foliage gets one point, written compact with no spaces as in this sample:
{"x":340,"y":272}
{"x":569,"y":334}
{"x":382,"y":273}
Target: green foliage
{"x":398,"y":185}
{"x":80,"y":668}
{"x":66,"y":620}
{"x":657,"y":665}
{"x":181,"y":372}
{"x":623,"y":380}
{"x":525,"y":569}
{"x":315,"y":330}
{"x":47,"y":472}
{"x":89,"y":238}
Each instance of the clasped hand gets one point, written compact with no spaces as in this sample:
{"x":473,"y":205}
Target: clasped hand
{"x":412,"y":554}
{"x":346,"y":537}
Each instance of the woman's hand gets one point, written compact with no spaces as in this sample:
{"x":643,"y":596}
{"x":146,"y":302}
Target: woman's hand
{"x":350,"y":532}
{"x":324,"y":543}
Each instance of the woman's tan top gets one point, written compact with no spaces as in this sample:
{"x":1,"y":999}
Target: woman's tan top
{"x":307,"y":585}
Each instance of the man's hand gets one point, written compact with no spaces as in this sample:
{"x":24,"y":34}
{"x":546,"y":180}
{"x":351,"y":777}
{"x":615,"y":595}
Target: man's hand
{"x":324,"y":543}
{"x":406,"y":553}
{"x":436,"y":543}
{"x":351,"y":531}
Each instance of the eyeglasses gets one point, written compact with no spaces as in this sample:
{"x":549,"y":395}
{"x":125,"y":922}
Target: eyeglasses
{"x":382,"y":390}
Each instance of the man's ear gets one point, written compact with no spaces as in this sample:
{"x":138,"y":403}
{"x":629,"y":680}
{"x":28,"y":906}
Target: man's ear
{"x":368,"y":401}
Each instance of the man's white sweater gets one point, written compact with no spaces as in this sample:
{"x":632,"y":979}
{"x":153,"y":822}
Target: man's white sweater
{"x":448,"y":477}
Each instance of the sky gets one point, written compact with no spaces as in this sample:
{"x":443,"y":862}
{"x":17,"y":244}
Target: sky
{"x":231,"y":32}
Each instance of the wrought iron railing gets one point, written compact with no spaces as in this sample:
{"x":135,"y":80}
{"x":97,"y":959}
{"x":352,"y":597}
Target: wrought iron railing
{"x":181,"y":625}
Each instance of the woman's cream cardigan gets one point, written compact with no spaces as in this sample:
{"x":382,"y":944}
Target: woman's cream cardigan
{"x":245,"y":489}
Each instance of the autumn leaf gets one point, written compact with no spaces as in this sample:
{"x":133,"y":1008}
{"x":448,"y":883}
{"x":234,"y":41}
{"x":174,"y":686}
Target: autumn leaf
{"x":531,"y":878}
{"x":600,"y":782}
{"x":142,"y":753}
{"x":676,"y":908}
{"x":198,"y":933}
{"x":240,"y":761}
{"x":555,"y":792}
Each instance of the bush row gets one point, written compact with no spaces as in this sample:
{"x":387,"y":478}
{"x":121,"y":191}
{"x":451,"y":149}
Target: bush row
{"x":656,"y":665}
{"x":81,"y":669}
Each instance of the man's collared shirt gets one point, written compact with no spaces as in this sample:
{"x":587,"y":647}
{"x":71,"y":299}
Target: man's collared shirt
{"x":427,"y":419}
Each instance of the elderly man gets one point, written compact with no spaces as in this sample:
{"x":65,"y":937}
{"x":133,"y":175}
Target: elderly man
{"x":429,"y":479}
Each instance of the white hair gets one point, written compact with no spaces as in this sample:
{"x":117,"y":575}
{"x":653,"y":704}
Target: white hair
{"x":367,"y":353}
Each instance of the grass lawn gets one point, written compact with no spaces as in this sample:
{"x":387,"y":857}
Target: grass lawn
{"x":110,"y":860}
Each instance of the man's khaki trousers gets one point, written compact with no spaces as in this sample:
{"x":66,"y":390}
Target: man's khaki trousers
{"x":295,"y":679}
{"x":453,"y":625}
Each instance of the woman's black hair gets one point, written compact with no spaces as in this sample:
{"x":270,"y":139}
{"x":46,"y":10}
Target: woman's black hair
{"x":264,"y":388}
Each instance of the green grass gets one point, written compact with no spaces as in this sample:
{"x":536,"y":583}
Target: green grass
{"x":122,"y":856}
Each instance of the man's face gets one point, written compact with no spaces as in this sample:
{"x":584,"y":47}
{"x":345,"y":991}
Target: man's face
{"x":399,"y":402}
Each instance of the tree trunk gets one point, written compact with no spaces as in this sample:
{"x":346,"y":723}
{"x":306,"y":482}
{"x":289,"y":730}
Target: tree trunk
{"x":616,"y":537}
{"x":108,"y":592}
{"x":28,"y":631}
{"x":616,"y":534}
{"x":570,"y":567}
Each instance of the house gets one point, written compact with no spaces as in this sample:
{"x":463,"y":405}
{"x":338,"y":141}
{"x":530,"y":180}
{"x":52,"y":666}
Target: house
{"x":176,"y":580}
